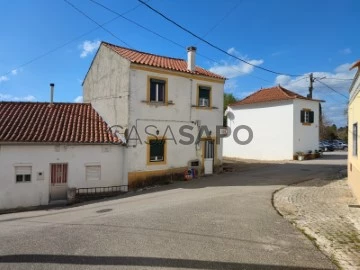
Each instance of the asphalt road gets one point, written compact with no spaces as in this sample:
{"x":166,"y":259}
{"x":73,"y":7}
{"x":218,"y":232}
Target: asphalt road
{"x":224,"y":221}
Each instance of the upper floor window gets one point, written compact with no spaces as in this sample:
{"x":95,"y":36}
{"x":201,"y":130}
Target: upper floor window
{"x":307,"y":117}
{"x":204,"y":96}
{"x":157,"y":91}
{"x":355,"y":139}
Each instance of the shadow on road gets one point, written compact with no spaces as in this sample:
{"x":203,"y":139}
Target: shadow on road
{"x":136,"y":261}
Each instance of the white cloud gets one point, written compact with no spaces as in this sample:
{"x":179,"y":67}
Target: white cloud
{"x":14,"y":72}
{"x":78,"y":99}
{"x":346,"y":51}
{"x":335,"y":104}
{"x":7,"y":97}
{"x":3,"y":78}
{"x":88,"y":47}
{"x":233,"y":68}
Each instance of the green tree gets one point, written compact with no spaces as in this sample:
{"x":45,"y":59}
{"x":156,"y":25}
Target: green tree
{"x":228,"y":99}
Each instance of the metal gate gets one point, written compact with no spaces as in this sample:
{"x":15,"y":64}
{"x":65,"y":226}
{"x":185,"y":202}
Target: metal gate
{"x":58,"y":180}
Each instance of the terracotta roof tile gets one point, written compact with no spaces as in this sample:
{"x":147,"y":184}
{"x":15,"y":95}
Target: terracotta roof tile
{"x":356,"y":64}
{"x":57,"y":123}
{"x":275,"y":93}
{"x":159,"y":61}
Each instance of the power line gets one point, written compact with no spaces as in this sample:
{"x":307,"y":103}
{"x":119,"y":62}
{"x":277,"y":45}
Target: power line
{"x":91,"y":19}
{"x":67,"y":43}
{"x":339,"y":79}
{"x":222,"y":19}
{"x":332,"y":89}
{"x":167,"y":39}
{"x":212,"y":45}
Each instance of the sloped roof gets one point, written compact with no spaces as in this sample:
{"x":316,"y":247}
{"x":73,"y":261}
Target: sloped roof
{"x":356,"y":64}
{"x":275,"y":93}
{"x":143,"y":58}
{"x":57,"y":123}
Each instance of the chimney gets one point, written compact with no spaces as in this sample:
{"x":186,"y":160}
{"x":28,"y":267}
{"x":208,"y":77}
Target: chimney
{"x":51,"y":93}
{"x":191,"y":58}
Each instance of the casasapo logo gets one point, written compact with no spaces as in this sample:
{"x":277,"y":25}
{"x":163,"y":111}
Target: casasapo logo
{"x":186,"y":134}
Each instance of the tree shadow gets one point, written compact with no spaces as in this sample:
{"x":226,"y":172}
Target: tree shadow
{"x":138,"y":261}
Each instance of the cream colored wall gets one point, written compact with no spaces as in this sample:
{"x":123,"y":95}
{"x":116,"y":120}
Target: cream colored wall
{"x":182,"y":92}
{"x":354,"y":161}
{"x":39,"y":157}
{"x":106,"y":86}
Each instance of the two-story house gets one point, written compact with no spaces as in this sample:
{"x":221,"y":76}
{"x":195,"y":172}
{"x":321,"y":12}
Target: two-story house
{"x":160,"y":105}
{"x":272,"y":124}
{"x":353,"y":136}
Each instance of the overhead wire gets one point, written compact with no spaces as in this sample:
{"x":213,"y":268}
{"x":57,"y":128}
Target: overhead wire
{"x":98,"y":24}
{"x":167,"y":39}
{"x":212,"y":45}
{"x":67,"y":43}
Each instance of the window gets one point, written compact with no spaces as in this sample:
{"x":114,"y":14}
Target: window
{"x":157,"y":90}
{"x":307,"y":117}
{"x":93,"y":172}
{"x":157,"y":149}
{"x":355,"y":139}
{"x":23,"y":174}
{"x":204,"y":96}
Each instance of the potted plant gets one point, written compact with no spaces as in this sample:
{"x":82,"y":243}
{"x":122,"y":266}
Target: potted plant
{"x":300,"y":155}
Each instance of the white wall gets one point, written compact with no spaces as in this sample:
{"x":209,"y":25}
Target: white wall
{"x":39,"y":157}
{"x":272,"y":126}
{"x":306,"y":137}
{"x":183,"y":92}
{"x":106,"y":86}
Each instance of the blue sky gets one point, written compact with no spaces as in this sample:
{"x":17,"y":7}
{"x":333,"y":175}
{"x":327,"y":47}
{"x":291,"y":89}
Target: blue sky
{"x":296,"y":37}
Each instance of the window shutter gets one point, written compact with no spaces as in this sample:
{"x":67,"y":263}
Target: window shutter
{"x":302,"y":117}
{"x":22,"y":170}
{"x":311,"y":117}
{"x":93,"y":173}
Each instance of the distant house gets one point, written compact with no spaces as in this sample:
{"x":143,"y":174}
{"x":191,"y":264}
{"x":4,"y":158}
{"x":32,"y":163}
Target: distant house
{"x":276,"y":122}
{"x":47,"y":148}
{"x":353,"y":122}
{"x":160,"y":104}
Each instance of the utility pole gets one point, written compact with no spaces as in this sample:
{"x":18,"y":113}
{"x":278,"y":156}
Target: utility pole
{"x":312,"y":80}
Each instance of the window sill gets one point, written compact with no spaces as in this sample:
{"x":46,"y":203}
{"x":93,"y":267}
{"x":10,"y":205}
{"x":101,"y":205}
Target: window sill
{"x":152,"y":103}
{"x":203,"y":107}
{"x":151,"y":163}
{"x":306,"y":124}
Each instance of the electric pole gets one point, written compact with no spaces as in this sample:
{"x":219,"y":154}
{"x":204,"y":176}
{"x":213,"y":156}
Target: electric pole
{"x":312,"y":80}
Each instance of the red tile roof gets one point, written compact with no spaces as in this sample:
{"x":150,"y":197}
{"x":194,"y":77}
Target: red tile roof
{"x":275,"y":93}
{"x":159,"y":61}
{"x":356,"y":64}
{"x":57,"y":123}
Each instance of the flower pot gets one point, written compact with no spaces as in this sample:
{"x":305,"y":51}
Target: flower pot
{"x":301,"y":158}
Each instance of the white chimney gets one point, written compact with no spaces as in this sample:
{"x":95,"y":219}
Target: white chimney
{"x":51,"y":93}
{"x":191,"y":58}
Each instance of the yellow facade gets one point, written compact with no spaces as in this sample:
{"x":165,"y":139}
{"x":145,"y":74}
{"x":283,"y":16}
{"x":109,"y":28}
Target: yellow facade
{"x":354,"y":154}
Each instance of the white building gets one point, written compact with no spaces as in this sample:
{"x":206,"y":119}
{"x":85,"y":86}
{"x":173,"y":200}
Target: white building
{"x":158,"y":96}
{"x":47,"y":148}
{"x":273,"y":124}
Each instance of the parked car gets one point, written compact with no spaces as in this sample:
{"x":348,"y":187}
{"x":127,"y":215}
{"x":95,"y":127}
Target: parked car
{"x":338,"y":145}
{"x":325,"y":147}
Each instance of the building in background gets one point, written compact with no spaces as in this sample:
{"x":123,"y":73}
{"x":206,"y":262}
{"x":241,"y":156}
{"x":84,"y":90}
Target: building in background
{"x":281,"y":123}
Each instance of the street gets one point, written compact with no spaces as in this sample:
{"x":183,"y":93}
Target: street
{"x":224,"y":221}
